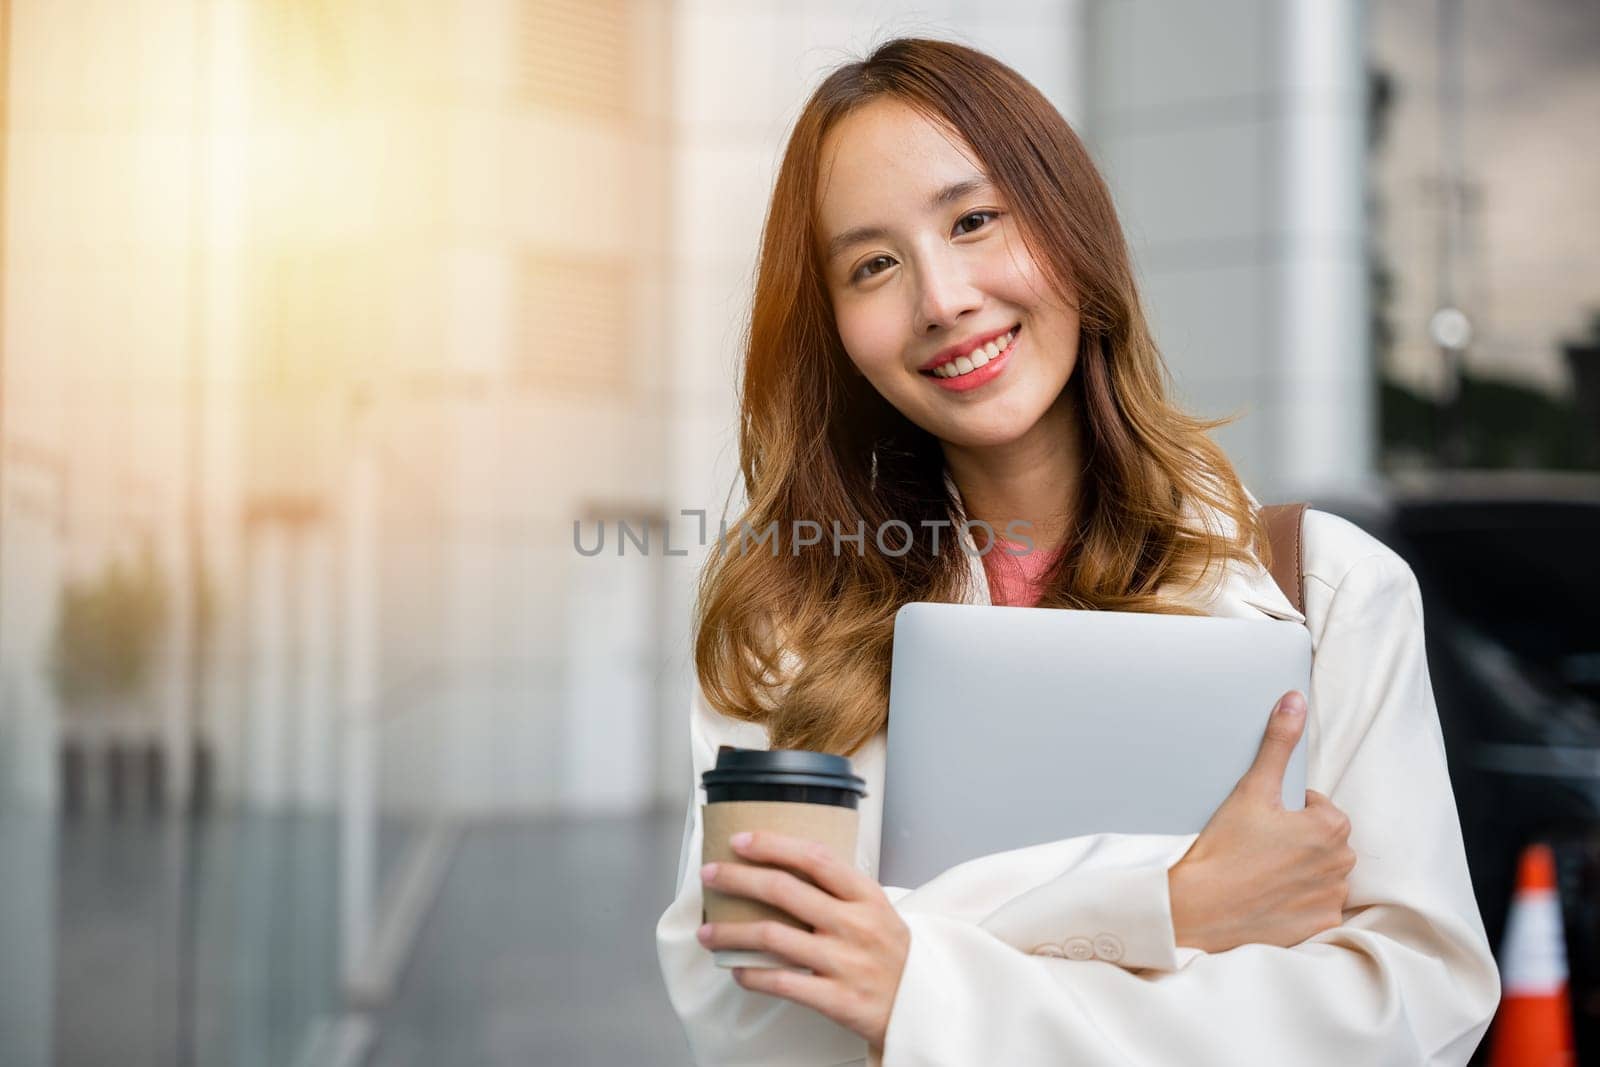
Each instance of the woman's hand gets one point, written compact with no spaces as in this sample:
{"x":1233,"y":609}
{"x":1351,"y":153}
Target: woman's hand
{"x":1258,"y":874}
{"x":858,"y":945}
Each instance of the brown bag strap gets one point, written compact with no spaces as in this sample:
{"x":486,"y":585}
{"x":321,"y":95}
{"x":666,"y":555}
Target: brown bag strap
{"x":1283,"y":522}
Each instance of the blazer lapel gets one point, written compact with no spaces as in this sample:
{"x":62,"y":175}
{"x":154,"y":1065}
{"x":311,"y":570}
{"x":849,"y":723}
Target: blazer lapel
{"x":1243,"y":590}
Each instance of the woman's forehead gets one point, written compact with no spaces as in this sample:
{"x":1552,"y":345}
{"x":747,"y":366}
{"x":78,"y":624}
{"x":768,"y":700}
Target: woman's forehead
{"x":888,"y":133}
{"x":887,"y":157}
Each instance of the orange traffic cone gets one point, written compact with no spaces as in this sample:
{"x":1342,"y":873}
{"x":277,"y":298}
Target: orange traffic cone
{"x":1534,"y":1026}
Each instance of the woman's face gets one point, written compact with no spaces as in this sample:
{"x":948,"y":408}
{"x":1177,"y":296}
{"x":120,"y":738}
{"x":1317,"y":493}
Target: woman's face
{"x":924,"y":260}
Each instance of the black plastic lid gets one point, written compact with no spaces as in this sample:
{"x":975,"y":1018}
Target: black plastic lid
{"x":782,"y":766}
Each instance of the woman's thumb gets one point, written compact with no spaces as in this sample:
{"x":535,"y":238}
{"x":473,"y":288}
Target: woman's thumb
{"x":1284,"y":727}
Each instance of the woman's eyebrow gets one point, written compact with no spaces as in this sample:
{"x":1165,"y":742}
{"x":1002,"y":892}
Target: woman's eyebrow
{"x":950,"y":193}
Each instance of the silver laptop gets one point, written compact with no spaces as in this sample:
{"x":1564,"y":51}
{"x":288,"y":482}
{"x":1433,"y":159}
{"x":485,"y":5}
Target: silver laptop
{"x":1011,"y":727}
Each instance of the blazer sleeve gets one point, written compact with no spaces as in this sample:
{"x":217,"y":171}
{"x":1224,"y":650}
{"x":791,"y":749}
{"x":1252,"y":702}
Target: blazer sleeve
{"x":1407,"y":978}
{"x":1040,"y":898}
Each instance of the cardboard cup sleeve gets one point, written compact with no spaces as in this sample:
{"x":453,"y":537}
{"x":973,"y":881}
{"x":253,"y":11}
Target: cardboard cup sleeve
{"x":829,"y":824}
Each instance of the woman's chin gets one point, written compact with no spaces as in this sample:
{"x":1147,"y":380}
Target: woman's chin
{"x":996,"y":433}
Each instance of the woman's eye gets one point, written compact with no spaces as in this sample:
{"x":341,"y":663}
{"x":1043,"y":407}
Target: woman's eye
{"x":863,"y":272}
{"x":975,"y":215}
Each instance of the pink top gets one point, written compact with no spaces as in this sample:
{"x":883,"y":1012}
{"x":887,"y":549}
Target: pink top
{"x":1016,"y":581}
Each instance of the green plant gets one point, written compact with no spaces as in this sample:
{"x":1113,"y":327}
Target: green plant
{"x":108,"y":629}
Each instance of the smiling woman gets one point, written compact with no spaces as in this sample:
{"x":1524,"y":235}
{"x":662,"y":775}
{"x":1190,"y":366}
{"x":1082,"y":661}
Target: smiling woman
{"x":946,"y":336}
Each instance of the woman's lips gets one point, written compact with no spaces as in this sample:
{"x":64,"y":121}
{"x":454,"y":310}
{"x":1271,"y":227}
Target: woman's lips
{"x":983,"y":375}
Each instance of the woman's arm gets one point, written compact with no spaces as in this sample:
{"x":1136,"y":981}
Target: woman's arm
{"x":1257,"y":874}
{"x":1094,"y":897}
{"x":1407,"y":978}
{"x":1050,"y":893}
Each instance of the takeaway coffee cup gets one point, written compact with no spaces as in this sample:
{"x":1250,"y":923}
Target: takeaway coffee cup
{"x":789,"y":791}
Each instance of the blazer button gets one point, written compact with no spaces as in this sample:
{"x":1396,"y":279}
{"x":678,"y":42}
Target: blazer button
{"x":1079,"y":948}
{"x":1048,"y":949}
{"x":1108,"y":948}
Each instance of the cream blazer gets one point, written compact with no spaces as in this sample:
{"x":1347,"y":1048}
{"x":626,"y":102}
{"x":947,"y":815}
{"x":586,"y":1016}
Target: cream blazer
{"x":1063,"y":953}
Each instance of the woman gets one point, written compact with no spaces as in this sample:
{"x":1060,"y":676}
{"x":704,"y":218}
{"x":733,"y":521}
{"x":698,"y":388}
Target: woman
{"x":931,"y":201}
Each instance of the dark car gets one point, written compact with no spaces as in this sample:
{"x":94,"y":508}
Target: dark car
{"x":1511,"y":594}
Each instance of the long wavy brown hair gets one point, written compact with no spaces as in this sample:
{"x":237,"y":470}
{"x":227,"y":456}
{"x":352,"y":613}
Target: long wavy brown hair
{"x":798,"y":637}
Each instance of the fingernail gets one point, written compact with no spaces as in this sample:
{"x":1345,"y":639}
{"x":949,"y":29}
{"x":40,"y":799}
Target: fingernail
{"x":708,"y":872}
{"x":1293,"y":704}
{"x":704,"y":933}
{"x":740,"y":839}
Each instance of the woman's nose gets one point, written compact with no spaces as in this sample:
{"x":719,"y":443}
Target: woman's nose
{"x":944,"y":293}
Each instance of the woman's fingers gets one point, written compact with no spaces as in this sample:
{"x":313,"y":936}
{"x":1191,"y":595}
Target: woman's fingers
{"x":772,"y":936}
{"x":857,"y":950}
{"x":811,"y":859}
{"x":820,"y":994}
{"x":1334,"y":821}
{"x":773,"y":886}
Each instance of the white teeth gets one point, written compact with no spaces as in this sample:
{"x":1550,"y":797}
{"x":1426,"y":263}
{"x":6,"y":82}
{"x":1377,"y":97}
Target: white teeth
{"x":979,"y":356}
